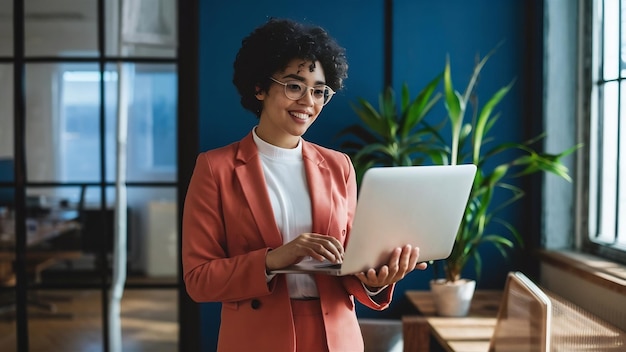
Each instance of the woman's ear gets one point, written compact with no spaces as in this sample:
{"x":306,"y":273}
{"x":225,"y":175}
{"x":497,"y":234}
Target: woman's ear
{"x":260,"y":95}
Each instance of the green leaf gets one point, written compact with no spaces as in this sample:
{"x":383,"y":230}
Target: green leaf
{"x":484,"y":117}
{"x":421,"y":106}
{"x":454,"y":103}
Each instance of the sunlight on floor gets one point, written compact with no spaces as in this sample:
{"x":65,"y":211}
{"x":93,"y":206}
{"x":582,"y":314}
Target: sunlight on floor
{"x":149,"y":323}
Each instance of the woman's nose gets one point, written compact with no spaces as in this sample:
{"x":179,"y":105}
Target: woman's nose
{"x":308,"y":97}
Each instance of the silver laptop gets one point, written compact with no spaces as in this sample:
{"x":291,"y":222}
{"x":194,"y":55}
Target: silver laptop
{"x":417,"y":205}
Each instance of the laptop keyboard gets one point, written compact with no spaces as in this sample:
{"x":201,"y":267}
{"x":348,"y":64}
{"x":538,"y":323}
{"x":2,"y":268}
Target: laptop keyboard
{"x":329,"y":265}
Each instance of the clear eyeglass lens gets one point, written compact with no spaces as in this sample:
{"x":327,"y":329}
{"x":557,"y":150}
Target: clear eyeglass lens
{"x":295,"y":90}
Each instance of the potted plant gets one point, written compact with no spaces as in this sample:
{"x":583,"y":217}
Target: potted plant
{"x":393,"y":135}
{"x":470,"y":142}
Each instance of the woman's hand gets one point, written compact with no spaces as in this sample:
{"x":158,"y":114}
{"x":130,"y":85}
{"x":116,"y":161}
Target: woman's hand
{"x":402,"y":261}
{"x":317,"y":246}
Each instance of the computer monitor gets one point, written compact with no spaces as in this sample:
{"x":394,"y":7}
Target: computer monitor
{"x":7,"y":192}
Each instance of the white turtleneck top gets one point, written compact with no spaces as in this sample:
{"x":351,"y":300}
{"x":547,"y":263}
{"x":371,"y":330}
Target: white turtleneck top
{"x":289,"y":194}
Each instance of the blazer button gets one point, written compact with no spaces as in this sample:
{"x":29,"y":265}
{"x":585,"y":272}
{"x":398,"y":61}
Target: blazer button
{"x":255,"y":304}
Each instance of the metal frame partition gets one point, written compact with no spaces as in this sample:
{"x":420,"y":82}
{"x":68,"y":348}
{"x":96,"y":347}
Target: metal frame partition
{"x":186,"y":62}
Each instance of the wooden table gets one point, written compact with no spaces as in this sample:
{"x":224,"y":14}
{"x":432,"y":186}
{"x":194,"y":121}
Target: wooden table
{"x":470,"y":333}
{"x":38,"y":256}
{"x":38,"y":231}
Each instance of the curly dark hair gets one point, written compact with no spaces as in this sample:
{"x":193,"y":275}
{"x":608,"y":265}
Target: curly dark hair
{"x":270,"y":47}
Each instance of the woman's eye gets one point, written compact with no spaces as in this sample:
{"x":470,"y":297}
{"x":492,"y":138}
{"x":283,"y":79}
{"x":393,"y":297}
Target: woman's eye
{"x":294,"y":87}
{"x":319,"y":92}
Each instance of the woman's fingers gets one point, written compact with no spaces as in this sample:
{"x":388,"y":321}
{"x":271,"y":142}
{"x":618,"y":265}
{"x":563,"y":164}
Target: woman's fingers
{"x":374,"y":278}
{"x":401,"y":262}
{"x":320,"y":247}
{"x":406,"y":262}
{"x":314,"y":245}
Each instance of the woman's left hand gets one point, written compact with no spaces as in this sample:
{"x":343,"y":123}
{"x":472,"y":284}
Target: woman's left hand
{"x":401,"y":262}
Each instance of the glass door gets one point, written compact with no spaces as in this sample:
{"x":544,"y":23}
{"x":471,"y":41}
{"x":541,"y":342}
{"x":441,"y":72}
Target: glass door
{"x":90,"y":98}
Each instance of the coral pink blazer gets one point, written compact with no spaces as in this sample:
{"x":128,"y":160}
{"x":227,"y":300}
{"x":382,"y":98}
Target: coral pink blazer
{"x":228,"y":227}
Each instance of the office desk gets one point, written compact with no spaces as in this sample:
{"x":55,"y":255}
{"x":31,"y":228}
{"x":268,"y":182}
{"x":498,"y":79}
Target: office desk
{"x":38,"y":256}
{"x":470,"y":333}
{"x":39,"y":230}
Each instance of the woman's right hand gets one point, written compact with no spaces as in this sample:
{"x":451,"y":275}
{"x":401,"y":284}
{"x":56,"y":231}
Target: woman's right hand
{"x":317,"y":246}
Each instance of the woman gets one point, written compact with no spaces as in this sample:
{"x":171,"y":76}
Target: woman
{"x":273,"y":199}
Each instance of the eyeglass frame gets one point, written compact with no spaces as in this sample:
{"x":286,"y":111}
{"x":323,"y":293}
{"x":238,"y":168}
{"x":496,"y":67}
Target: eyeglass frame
{"x":331,"y":92}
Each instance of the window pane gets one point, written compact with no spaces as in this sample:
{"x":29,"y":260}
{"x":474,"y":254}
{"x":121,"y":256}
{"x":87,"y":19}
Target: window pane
{"x":80,"y":122}
{"x":8,"y":328}
{"x":7,"y":195}
{"x":6,"y":28}
{"x":607,"y":148}
{"x":153,"y":232}
{"x":148,"y":317}
{"x":42,"y":116}
{"x":6,"y":110}
{"x":80,"y":126}
{"x":60,"y":28}
{"x":149,"y":92}
{"x":148,"y":28}
{"x":611,"y":39}
{"x":6,"y":149}
{"x":65,"y":99}
{"x":62,"y":122}
{"x":609,"y":163}
{"x":49,"y":331}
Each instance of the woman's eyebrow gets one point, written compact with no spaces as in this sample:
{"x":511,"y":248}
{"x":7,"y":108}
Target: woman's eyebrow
{"x":302,"y":79}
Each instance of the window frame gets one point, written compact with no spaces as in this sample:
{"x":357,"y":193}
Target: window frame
{"x":18,"y":60}
{"x":142,"y":166}
{"x":588,"y":104}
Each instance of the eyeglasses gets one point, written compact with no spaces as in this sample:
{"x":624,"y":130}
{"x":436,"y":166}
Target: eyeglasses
{"x":295,"y":90}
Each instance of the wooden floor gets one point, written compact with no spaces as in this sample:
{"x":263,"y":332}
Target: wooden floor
{"x":149,"y":323}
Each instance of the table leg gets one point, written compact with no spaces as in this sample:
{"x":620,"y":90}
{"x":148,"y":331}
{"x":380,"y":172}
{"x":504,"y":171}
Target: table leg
{"x":415,"y":333}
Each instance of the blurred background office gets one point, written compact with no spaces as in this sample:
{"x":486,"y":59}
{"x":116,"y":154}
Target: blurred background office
{"x":68,"y":70}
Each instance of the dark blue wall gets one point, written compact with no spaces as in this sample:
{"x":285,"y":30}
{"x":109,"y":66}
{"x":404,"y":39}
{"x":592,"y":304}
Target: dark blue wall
{"x":424,"y":32}
{"x":357,"y":25}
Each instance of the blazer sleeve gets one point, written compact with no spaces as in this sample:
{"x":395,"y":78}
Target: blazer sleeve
{"x":209,"y":273}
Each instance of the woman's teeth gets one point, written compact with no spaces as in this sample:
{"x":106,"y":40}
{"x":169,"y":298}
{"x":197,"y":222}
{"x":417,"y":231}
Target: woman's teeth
{"x":299,"y":115}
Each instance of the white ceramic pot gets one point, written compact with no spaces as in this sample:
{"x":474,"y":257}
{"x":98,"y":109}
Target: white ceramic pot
{"x":452,"y":299}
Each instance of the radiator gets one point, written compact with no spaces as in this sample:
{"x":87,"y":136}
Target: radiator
{"x":161,"y":240}
{"x":602,"y":302}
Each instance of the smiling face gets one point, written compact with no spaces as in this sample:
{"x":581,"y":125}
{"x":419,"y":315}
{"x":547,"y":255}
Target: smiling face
{"x":284,"y":121}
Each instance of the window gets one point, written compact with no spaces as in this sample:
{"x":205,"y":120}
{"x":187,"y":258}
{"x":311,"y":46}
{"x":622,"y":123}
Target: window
{"x":151,"y":124}
{"x":607,"y":130}
{"x":79,"y":146}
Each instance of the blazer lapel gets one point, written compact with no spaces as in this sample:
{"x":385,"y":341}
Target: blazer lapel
{"x":320,"y":187}
{"x":250,"y":175}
